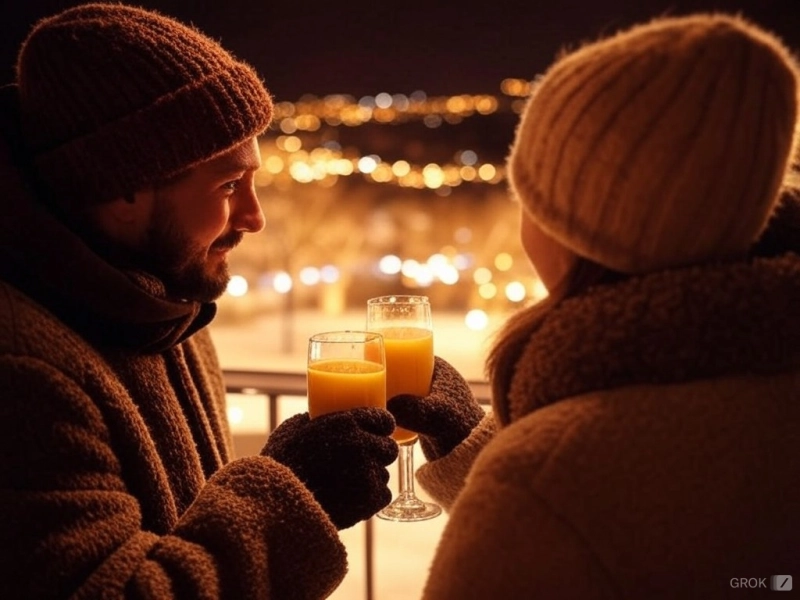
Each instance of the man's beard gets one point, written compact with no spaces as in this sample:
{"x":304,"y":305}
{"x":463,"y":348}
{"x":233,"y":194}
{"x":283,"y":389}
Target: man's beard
{"x":182,"y":266}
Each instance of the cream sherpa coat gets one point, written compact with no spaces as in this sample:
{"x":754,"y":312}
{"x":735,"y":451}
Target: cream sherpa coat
{"x":647,"y":447}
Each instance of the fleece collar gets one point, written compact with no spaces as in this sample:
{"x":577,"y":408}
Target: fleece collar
{"x":669,"y":327}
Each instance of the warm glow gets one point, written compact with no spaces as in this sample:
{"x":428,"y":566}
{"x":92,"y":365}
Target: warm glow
{"x":282,"y":282}
{"x":237,"y":286}
{"x":482,"y":275}
{"x":329,"y":274}
{"x":539,"y":291}
{"x":441,"y":268}
{"x":341,"y":166}
{"x":401,"y":168}
{"x":486,"y":105}
{"x":437,"y":261}
{"x":487,"y":172}
{"x":468,"y":173}
{"x":448,"y":275}
{"x":516,"y":87}
{"x":463,"y":235}
{"x":289,"y":143}
{"x":301,"y":172}
{"x":288,"y":126}
{"x":487,"y":291}
{"x":310,"y":275}
{"x":235,"y":415}
{"x":515,"y":291}
{"x":390,"y":264}
{"x":367,"y":164}
{"x":503,"y":261}
{"x":476,"y":320}
{"x":308,"y":122}
{"x":296,"y":150}
{"x":410,"y":268}
{"x":433,"y":175}
{"x":462,"y":261}
{"x":382,"y":173}
{"x":273,"y":164}
{"x":468,"y":158}
{"x":432,"y":121}
{"x":383,"y":100}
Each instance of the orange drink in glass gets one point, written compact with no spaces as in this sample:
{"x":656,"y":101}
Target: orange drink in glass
{"x":409,"y":366}
{"x":404,"y":322}
{"x":345,"y":369}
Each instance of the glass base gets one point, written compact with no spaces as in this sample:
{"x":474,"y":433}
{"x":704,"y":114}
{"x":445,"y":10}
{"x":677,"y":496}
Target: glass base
{"x":409,"y":509}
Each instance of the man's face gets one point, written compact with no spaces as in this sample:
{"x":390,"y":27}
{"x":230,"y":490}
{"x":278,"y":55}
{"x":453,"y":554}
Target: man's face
{"x":197,"y":219}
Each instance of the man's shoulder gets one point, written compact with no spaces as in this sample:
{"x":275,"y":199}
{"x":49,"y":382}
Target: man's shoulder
{"x":26,"y":325}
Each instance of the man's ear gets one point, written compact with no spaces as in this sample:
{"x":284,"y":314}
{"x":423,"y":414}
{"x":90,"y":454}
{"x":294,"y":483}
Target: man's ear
{"x":125,"y":217}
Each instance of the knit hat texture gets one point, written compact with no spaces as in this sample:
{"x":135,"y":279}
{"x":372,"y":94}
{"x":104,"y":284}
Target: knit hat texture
{"x":664,"y":145}
{"x":114,"y":98}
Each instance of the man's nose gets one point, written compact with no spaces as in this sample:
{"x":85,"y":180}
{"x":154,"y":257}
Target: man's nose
{"x":247,"y":215}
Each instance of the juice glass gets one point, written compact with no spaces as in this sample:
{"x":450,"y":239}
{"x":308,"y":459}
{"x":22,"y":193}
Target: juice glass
{"x":345,"y":369}
{"x":405,"y":323}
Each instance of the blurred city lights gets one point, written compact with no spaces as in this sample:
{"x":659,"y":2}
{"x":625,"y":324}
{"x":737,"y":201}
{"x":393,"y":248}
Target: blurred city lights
{"x":237,"y":286}
{"x":503,"y":261}
{"x":329,"y":274}
{"x":390,"y":264}
{"x":471,"y":255}
{"x":235,"y":415}
{"x":282,"y":282}
{"x":476,"y":319}
{"x":481,"y":275}
{"x":515,"y":291}
{"x":310,"y":275}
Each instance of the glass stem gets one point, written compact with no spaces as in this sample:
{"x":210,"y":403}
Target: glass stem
{"x":405,"y":466}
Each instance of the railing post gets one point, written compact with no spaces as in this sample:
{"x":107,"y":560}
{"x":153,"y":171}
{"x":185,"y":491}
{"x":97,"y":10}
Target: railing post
{"x":370,"y":566}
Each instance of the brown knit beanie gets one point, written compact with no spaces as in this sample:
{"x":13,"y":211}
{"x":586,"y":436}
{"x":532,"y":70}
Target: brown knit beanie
{"x":662,"y":146}
{"x":114,"y":98}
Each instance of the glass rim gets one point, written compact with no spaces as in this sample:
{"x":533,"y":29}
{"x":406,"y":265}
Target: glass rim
{"x":399,"y":299}
{"x":346,"y":336}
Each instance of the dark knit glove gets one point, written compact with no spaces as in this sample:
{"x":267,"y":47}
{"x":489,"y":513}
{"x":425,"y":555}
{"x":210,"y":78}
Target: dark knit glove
{"x":341,"y":458}
{"x":443,"y":418}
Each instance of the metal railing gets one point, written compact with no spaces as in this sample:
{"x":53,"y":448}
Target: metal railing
{"x":274,"y":386}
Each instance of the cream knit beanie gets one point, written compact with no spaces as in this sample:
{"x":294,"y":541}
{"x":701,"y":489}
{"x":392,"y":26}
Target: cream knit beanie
{"x":662,"y":146}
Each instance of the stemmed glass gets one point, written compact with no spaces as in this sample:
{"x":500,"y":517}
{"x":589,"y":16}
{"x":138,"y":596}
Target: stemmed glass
{"x":345,"y":369}
{"x":407,"y":329}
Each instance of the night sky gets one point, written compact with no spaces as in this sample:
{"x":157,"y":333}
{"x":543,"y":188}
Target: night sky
{"x":363,"y":48}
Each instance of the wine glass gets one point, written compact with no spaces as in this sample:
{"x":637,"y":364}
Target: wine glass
{"x":407,"y":329}
{"x":345,"y":369}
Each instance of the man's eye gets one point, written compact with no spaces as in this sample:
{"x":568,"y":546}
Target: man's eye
{"x":231,"y":185}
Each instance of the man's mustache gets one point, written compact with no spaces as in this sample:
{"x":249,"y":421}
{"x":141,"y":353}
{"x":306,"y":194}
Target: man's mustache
{"x":228,"y":242}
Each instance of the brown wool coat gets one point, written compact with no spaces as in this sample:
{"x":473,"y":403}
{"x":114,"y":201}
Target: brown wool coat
{"x":116,"y":474}
{"x":648,"y":447}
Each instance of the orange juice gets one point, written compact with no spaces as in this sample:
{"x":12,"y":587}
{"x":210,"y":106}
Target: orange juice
{"x":340,"y":384}
{"x":409,"y":366}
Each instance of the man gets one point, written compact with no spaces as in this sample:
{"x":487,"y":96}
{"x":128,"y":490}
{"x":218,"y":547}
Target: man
{"x":128,"y":152}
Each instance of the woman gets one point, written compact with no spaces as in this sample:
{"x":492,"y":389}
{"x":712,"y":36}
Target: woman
{"x":645,"y":416}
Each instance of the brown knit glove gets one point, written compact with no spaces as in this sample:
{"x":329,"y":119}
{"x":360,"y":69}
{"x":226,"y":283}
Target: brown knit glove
{"x":443,"y":418}
{"x":341,"y":458}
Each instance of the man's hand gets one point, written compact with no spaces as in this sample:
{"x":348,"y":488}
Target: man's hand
{"x":341,"y":457}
